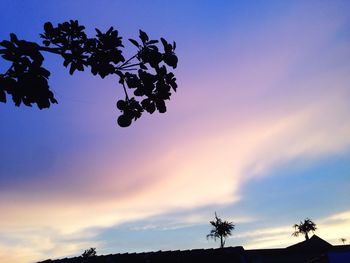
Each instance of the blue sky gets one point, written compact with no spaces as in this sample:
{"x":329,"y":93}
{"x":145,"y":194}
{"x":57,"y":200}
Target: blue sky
{"x":258,"y":131}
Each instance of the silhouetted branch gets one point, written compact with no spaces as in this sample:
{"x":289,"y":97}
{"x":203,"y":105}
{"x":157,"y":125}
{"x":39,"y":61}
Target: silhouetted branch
{"x":26,"y":80}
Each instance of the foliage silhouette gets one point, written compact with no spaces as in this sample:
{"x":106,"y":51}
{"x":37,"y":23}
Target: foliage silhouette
{"x":221,"y":229}
{"x":146,"y":73}
{"x":343,"y":240}
{"x":304,"y":228}
{"x":91,"y":252}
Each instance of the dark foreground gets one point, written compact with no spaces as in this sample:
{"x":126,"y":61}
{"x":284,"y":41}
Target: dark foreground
{"x":314,"y":250}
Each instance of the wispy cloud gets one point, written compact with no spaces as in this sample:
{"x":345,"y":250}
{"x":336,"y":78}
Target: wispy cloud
{"x":208,"y":170}
{"x":16,"y":245}
{"x":268,"y":95}
{"x":280,"y":236}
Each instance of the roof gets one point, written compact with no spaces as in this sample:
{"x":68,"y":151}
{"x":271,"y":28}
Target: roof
{"x":219,"y":255}
{"x":314,"y":243}
{"x":301,"y":252}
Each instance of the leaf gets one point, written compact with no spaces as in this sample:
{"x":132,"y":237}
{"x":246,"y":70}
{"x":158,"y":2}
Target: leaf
{"x":164,"y":42}
{"x":7,"y":44}
{"x":148,"y":105}
{"x":75,"y":23}
{"x":142,"y":66}
{"x":80,"y":66}
{"x":139,"y":92}
{"x":27,"y":102}
{"x":53,"y":100}
{"x":99,"y":33}
{"x":13,"y":37}
{"x":2,"y":96}
{"x":121,"y":76}
{"x":151,"y":42}
{"x":48,"y":27}
{"x":43,"y":103}
{"x":16,"y":99}
{"x":44,"y":72}
{"x":133,"y":41}
{"x":9,"y":56}
{"x":72,"y":69}
{"x":46,"y":43}
{"x":109,"y":31}
{"x":66,"y":62}
{"x":161,"y":106}
{"x":173,"y":85}
{"x":143,"y":36}
{"x":171,"y":60}
{"x":151,"y":108}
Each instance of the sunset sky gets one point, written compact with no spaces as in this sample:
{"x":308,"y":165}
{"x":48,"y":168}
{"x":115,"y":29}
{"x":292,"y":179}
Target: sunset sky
{"x":259,"y":131}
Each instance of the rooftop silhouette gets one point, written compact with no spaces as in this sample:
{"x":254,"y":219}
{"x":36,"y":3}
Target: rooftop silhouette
{"x":306,"y":251}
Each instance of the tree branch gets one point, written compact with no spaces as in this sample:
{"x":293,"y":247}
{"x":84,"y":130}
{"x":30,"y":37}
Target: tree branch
{"x":127,"y":62}
{"x":129,"y":66}
{"x":47,"y":49}
{"x":26,"y":80}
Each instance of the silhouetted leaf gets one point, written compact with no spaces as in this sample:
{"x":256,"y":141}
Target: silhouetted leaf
{"x":2,"y":96}
{"x":72,"y":69}
{"x":121,"y":105}
{"x":27,"y":102}
{"x":53,"y":100}
{"x":99,"y":33}
{"x":16,"y":99}
{"x":109,"y":31}
{"x":48,"y":27}
{"x":44,"y":72}
{"x":143,"y":36}
{"x":124,"y":121}
{"x":142,"y":66}
{"x":134,"y":42}
{"x":13,"y":38}
{"x":9,"y":56}
{"x":66,"y":62}
{"x":171,"y":60}
{"x":161,"y":106}
{"x":164,"y":42}
{"x":148,"y":105}
{"x":46,"y":42}
{"x":7,"y":44}
{"x":151,"y":42}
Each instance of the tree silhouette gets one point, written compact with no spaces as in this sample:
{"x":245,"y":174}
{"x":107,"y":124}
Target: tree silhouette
{"x":343,"y":240}
{"x":304,"y":228}
{"x":145,"y":73}
{"x":91,"y":252}
{"x":221,"y":229}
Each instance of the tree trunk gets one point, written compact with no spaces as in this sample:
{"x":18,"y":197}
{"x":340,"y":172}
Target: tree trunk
{"x":306,"y":236}
{"x":221,"y":242}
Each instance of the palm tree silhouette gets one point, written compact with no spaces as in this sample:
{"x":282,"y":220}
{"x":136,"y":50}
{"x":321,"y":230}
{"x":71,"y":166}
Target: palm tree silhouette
{"x":343,"y":240}
{"x":221,"y":229}
{"x":304,"y":228}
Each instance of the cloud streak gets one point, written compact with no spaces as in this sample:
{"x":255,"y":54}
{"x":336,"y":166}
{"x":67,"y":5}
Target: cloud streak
{"x":245,"y":110}
{"x":280,"y":236}
{"x":209,"y":170}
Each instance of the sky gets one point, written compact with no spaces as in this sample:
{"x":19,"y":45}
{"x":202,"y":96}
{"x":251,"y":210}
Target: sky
{"x":258,"y":131}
